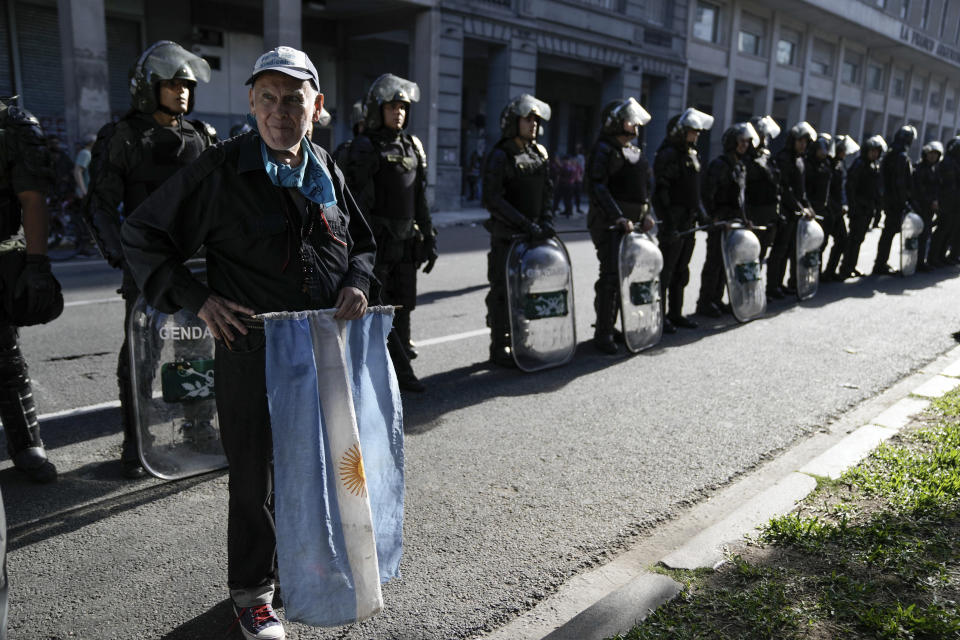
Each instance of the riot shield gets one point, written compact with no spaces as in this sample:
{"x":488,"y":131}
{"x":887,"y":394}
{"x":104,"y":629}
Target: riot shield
{"x":540,"y":299}
{"x":809,"y":241}
{"x":641,"y":317}
{"x":910,"y":230}
{"x":171,"y":357}
{"x":746,"y":282}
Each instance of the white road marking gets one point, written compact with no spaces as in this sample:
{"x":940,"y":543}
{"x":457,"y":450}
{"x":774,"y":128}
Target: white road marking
{"x":80,"y":303}
{"x":453,"y":337}
{"x":79,"y":411}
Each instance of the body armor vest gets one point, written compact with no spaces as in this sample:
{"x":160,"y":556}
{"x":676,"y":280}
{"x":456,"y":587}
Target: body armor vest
{"x":819,"y":175}
{"x":525,"y":173}
{"x":396,"y":177}
{"x":629,"y":173}
{"x":164,"y":153}
{"x":729,"y":178}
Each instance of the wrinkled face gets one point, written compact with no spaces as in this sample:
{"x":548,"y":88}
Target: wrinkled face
{"x":692,"y":136}
{"x":394,"y":114}
{"x":527,"y":127}
{"x":175,"y":94}
{"x":284,"y":108}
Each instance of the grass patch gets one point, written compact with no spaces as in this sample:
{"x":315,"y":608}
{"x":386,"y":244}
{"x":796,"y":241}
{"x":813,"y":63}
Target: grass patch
{"x":875,"y":554}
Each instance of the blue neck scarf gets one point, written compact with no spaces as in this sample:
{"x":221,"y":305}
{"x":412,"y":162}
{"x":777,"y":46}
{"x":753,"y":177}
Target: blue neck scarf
{"x":310,"y":177}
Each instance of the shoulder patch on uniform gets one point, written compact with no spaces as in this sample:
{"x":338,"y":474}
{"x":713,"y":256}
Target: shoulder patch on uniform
{"x":16,"y":115}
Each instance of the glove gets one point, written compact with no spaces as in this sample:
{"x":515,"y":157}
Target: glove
{"x":535,"y":231}
{"x":547,"y":231}
{"x":702,"y":217}
{"x":430,"y":249}
{"x":36,"y":286}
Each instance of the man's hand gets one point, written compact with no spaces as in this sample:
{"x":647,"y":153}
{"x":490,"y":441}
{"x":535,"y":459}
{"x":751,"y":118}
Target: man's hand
{"x":220,"y":315}
{"x":646,"y":223}
{"x":37,"y":282}
{"x":625,"y":225}
{"x":351,"y":304}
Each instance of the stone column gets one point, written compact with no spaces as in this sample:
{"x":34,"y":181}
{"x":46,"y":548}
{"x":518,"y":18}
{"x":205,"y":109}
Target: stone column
{"x":512,"y":71}
{"x":281,"y":24}
{"x":83,"y":56}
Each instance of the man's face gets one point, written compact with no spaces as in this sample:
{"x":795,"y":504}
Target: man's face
{"x":933,"y":157}
{"x":742,"y":145}
{"x":873,"y":154}
{"x":800,"y":145}
{"x":527,"y":127}
{"x":175,"y":94}
{"x":841,"y":154}
{"x":692,"y":136}
{"x":630,"y":129}
{"x":284,"y":108}
{"x":394,"y":114}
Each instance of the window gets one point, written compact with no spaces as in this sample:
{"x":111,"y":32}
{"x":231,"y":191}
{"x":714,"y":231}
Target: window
{"x":750,"y":39}
{"x":951,"y":104}
{"x":881,"y":4}
{"x":925,"y":18}
{"x":788,"y":46}
{"x":706,"y":26}
{"x":899,"y":84}
{"x":821,"y":59}
{"x":916,"y":96}
{"x":934,"y":98}
{"x":656,"y":12}
{"x":874,"y":77}
{"x":904,"y":9}
{"x":850,"y":71}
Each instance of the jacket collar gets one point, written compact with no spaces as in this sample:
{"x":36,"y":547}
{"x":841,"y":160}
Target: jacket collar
{"x":251,"y":158}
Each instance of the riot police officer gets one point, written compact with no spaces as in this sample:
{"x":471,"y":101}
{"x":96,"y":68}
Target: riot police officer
{"x":342,"y":152}
{"x":386,"y":170}
{"x":26,"y":175}
{"x":618,"y":185}
{"x":794,"y":202}
{"x":145,"y":148}
{"x":834,"y":225}
{"x":949,"y":218}
{"x":763,"y":184}
{"x":927,"y":185}
{"x":897,"y":171}
{"x":864,"y":198}
{"x":676,"y":200}
{"x":818,"y":177}
{"x":723,"y":198}
{"x":518,"y":193}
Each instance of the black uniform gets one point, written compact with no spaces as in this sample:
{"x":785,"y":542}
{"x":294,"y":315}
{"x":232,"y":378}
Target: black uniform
{"x":676,"y":200}
{"x":618,"y":185}
{"x":897,"y":171}
{"x":142,"y":155}
{"x":518,"y":193}
{"x":723,"y":198}
{"x":794,"y":200}
{"x":268,"y":249}
{"x":818,"y":176}
{"x":834,"y":226}
{"x":946,"y":237}
{"x":763,"y":196}
{"x":927,"y":186}
{"x":864,"y":198}
{"x":25,"y":166}
{"x":387,"y":173}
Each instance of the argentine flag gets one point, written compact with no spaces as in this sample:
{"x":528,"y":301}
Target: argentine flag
{"x":338,"y":462}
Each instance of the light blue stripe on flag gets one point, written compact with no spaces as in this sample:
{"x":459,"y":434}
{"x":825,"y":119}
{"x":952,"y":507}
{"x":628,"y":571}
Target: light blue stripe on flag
{"x":338,"y":463}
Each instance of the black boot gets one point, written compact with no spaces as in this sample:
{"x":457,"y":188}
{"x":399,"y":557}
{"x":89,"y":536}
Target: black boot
{"x":130,"y":464}
{"x":406,"y":378}
{"x":19,"y":415}
{"x":607,"y":307}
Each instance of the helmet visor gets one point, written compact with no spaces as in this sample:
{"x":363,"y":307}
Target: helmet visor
{"x":768,"y":127}
{"x":167,"y":60}
{"x":804,"y":130}
{"x":745,"y":131}
{"x":526,"y":104}
{"x":847,"y":145}
{"x":631,"y":113}
{"x":933,"y":146}
{"x":693,"y":119}
{"x":876,"y":142}
{"x":390,"y":88}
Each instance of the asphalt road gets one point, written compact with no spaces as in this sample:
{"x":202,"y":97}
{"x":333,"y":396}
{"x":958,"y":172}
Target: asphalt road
{"x":515,"y":481}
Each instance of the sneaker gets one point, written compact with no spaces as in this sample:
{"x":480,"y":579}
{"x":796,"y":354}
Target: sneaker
{"x":259,"y":623}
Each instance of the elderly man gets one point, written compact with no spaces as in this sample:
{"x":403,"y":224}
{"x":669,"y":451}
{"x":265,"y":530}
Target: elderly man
{"x":282,"y":233}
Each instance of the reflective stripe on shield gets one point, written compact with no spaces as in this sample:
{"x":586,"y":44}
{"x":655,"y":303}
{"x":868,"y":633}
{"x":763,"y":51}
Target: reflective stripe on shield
{"x":641,"y":315}
{"x":746,"y":281}
{"x":540,"y":299}
{"x":809,"y":241}
{"x":910,"y":230}
{"x":171,"y":364}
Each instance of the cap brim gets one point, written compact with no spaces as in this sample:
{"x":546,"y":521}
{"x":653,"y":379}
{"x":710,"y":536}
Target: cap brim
{"x":293,"y":73}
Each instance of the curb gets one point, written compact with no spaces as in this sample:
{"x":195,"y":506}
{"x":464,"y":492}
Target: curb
{"x":612,"y":598}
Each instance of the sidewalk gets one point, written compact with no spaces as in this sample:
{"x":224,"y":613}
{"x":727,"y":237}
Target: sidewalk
{"x":612,"y":598}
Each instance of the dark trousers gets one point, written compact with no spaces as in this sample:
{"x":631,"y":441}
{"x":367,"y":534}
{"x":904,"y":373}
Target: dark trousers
{"x":711,"y":276}
{"x":892,"y":219}
{"x":942,"y":237}
{"x":130,"y":293}
{"x":834,"y":227}
{"x":397,"y":280}
{"x":17,"y":408}
{"x":676,"y":271}
{"x":247,"y":443}
{"x":606,"y":301}
{"x":924,"y":240}
{"x":859,"y":225}
{"x":498,"y":315}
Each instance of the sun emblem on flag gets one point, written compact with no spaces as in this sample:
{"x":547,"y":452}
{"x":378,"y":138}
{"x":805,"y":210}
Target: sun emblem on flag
{"x":351,"y":472}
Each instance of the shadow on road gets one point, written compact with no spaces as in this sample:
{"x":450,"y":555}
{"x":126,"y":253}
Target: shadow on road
{"x":216,"y":622}
{"x":433,"y":296}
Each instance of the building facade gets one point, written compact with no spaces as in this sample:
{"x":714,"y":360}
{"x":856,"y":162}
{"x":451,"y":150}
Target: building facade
{"x":853,"y":66}
{"x":69,"y":61}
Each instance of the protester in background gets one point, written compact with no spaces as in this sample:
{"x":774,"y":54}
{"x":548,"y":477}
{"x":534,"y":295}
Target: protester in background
{"x":81,"y":165}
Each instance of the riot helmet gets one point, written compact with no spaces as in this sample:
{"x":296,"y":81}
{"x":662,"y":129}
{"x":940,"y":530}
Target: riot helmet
{"x":847,"y":145}
{"x":935,"y":145}
{"x":737,"y":132}
{"x":692,"y":119}
{"x":521,"y":107}
{"x":874,"y":142}
{"x":953,"y":147}
{"x":620,"y":114}
{"x":767,"y":128}
{"x":803,"y":130}
{"x":388,"y":88}
{"x":164,"y":60}
{"x":823,"y":142}
{"x":905,"y":136}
